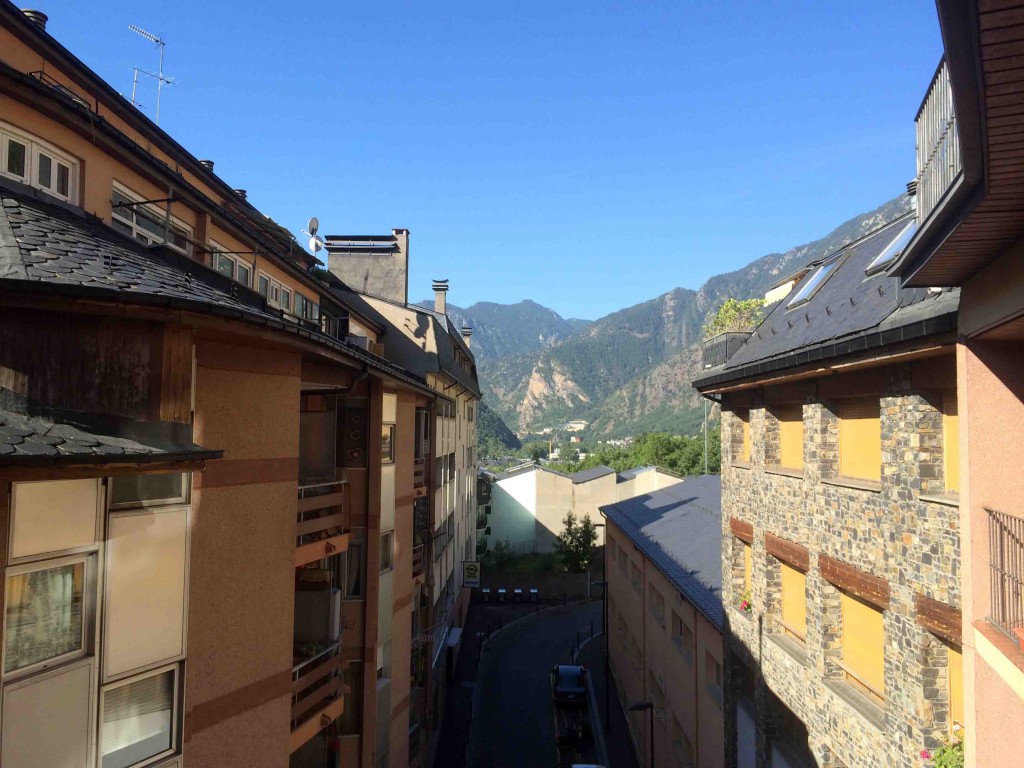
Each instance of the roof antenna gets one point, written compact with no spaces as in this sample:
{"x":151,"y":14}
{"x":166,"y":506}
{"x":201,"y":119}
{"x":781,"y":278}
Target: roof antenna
{"x":159,"y":75}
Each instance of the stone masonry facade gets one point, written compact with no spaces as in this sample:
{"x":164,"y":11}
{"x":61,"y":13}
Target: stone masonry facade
{"x":894,"y":543}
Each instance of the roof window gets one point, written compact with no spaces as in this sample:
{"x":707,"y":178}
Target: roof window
{"x":894,"y":249}
{"x":813,"y":283}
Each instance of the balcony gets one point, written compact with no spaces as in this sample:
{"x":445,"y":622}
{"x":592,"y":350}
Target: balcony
{"x":417,"y":564}
{"x":939,"y":161}
{"x":419,"y":477}
{"x":319,"y":531}
{"x":481,"y":521}
{"x":1006,"y":582}
{"x":481,"y":547}
{"x":720,"y":348}
{"x":317,"y":694}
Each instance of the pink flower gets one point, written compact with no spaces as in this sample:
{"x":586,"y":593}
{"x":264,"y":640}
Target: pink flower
{"x":926,"y":754}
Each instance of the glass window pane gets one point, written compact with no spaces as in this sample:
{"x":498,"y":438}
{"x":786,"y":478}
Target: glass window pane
{"x":137,"y":720}
{"x":244,"y":275}
{"x":149,"y":222}
{"x":143,"y":489}
{"x":117,"y":203}
{"x":63,"y":179}
{"x":264,"y":286}
{"x":224,"y":265}
{"x":16,"y":153}
{"x":45,"y":173}
{"x":120,"y":226}
{"x":44,"y":615}
{"x":286,"y":298}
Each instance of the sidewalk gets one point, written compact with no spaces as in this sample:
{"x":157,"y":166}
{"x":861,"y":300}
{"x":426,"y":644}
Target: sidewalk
{"x":485,"y":618}
{"x":620,"y":748}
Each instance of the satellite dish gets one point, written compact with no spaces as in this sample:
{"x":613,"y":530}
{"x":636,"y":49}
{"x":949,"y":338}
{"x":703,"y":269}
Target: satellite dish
{"x":316,"y":243}
{"x":313,"y":226}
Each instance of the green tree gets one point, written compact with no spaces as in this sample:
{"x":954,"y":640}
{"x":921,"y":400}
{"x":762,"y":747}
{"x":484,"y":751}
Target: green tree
{"x":576,"y":542}
{"x":735,"y":315}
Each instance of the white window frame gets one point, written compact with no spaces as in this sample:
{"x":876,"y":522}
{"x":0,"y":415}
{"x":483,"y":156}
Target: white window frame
{"x":218,"y":251}
{"x":89,"y":596}
{"x":175,"y":712}
{"x":390,"y":535}
{"x":34,"y":147}
{"x":150,"y":238}
{"x":275,"y":291}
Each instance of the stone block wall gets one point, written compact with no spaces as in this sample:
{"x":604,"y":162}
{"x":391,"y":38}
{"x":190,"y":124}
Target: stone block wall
{"x":901,"y":534}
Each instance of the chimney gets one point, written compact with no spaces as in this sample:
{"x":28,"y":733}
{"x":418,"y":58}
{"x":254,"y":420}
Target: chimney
{"x":440,"y":289}
{"x":467,"y":332}
{"x":241,"y":193}
{"x":912,"y":193}
{"x":36,"y":17}
{"x":207,"y":164}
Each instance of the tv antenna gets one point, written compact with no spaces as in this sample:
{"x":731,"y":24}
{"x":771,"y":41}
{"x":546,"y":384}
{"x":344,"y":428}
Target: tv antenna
{"x":159,"y":75}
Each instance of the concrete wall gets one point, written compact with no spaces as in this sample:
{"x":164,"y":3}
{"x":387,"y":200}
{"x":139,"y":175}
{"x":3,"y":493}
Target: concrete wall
{"x":514,"y":510}
{"x":241,"y":585}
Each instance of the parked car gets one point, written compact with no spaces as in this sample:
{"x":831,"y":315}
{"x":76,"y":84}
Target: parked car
{"x":569,"y":684}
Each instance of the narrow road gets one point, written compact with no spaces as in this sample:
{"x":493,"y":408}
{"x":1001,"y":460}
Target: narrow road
{"x":515,"y":725}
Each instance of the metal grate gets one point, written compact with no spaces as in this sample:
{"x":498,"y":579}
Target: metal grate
{"x":1006,"y":561}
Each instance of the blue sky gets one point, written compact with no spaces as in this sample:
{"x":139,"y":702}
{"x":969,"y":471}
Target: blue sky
{"x":588,"y":155}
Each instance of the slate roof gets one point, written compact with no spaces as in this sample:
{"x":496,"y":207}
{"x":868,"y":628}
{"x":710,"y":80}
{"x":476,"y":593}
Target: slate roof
{"x":47,"y":245}
{"x":848,"y":304}
{"x":40,"y":436}
{"x":679,"y":528}
{"x":586,"y":475}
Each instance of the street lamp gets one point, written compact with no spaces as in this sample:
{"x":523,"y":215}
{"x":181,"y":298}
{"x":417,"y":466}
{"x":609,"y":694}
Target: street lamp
{"x":641,"y":707}
{"x":607,"y":662}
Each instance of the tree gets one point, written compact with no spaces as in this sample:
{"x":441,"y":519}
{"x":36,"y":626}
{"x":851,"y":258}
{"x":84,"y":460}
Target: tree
{"x":576,"y":542}
{"x":735,"y":315}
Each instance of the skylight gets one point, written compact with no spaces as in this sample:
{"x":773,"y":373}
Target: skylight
{"x":895,"y":248}
{"x":813,"y":283}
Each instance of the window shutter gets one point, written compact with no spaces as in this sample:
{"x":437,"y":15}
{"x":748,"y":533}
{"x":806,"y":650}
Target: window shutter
{"x":794,"y":601}
{"x":791,"y":436}
{"x":863,"y":643}
{"x":860,"y":439}
{"x":951,"y":441}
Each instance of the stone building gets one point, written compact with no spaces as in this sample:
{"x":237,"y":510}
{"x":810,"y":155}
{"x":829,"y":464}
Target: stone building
{"x":971,"y":234}
{"x":840,"y":545}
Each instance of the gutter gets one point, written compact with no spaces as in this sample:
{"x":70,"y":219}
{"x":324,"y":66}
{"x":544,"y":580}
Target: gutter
{"x":828,"y":350}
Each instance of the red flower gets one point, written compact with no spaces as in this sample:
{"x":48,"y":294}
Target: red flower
{"x":926,"y":754}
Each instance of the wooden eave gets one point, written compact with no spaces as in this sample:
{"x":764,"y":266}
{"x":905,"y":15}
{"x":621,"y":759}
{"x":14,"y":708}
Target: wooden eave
{"x":982,"y":214}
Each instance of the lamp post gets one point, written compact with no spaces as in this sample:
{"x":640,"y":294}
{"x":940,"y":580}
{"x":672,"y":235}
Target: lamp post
{"x":607,"y":664}
{"x":641,"y":707}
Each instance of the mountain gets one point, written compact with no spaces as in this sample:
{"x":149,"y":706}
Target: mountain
{"x":494,"y":438}
{"x":500,"y":330}
{"x":631,"y":370}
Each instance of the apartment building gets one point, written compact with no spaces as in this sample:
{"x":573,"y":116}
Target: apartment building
{"x":840,"y":519}
{"x":970,"y":233}
{"x":665,"y":620}
{"x":528,"y":503}
{"x":370,"y":274}
{"x":209,"y":471}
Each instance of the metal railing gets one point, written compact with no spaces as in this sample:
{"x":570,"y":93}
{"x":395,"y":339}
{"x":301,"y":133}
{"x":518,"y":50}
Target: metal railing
{"x":419,"y":473}
{"x":481,"y":521}
{"x":939,"y":161}
{"x":1006,"y":584}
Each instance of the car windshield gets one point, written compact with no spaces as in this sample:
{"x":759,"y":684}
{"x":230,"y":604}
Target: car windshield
{"x":570,"y":677}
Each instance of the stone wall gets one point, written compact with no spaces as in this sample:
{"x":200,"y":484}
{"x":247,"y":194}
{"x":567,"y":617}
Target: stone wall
{"x":900,"y":533}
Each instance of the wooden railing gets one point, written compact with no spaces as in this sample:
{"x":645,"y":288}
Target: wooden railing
{"x":319,"y":531}
{"x":317,"y":694}
{"x":939,"y":161}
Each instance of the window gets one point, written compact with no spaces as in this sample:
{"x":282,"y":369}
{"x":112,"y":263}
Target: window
{"x":146,"y":223}
{"x":894,"y":248}
{"x":54,"y":516}
{"x":748,"y":562}
{"x":682,"y":637}
{"x":387,"y":444}
{"x":355,"y":565}
{"x":656,"y":604}
{"x":744,"y":417}
{"x":657,"y":695}
{"x":148,"y":490}
{"x":636,"y":578}
{"x":863,"y":646}
{"x":813,"y":283}
{"x":263,"y":286}
{"x":305,"y":308}
{"x":285,"y":299}
{"x":384,"y":661}
{"x":138,"y":719}
{"x":48,"y":613}
{"x":34,"y":162}
{"x":387,"y":546}
{"x":951,"y":441}
{"x":791,"y":436}
{"x":794,"y":602}
{"x":682,"y":747}
{"x":955,"y":674}
{"x":713,"y":677}
{"x":860,"y":439}
{"x":230,"y":264}
{"x":352,"y":716}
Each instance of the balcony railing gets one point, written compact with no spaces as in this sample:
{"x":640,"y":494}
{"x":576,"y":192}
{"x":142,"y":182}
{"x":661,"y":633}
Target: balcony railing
{"x":720,"y":348}
{"x":319,"y":532}
{"x":938,"y":144}
{"x":1006,"y":561}
{"x":317,"y":694}
{"x":481,"y":547}
{"x":481,"y":521}
{"x":417,"y":562}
